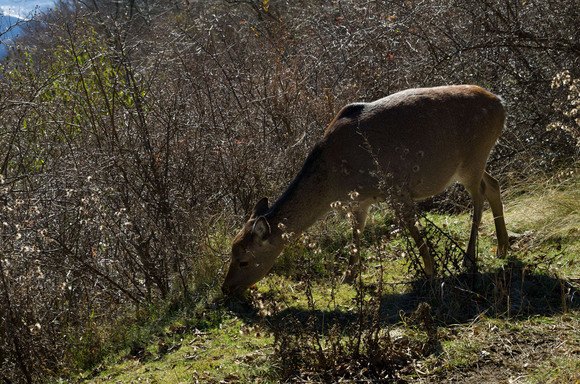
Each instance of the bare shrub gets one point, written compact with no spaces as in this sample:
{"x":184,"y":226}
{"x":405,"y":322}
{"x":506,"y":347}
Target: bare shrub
{"x":136,"y":135}
{"x":331,"y":346}
{"x":567,"y":105}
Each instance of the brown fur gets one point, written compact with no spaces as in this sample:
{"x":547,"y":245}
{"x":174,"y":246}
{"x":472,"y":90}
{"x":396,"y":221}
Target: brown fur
{"x":407,"y":146}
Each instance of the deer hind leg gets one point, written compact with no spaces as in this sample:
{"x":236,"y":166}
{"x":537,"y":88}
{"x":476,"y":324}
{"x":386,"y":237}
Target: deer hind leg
{"x":359,"y":212}
{"x":477,"y":192}
{"x":493,"y":195}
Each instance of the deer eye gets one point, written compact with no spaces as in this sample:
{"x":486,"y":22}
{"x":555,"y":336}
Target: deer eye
{"x":244,"y":264}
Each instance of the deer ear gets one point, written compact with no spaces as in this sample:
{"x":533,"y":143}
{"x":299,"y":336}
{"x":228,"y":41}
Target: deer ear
{"x":261,"y":207}
{"x":262,"y":227}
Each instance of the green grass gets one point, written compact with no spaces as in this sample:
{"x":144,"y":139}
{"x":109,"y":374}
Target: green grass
{"x":518,"y":318}
{"x":230,"y":349}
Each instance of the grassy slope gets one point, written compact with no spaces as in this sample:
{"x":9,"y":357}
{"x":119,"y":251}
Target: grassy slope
{"x":509,"y":326}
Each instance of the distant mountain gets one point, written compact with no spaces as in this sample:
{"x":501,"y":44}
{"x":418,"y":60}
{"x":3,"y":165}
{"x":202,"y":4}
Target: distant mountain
{"x":10,"y":27}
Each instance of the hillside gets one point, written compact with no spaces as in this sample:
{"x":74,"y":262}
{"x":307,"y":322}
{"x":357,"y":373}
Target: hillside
{"x":517,"y":322}
{"x":137,"y":136}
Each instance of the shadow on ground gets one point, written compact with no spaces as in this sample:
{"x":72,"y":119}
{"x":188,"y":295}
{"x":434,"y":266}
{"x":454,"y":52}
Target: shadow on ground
{"x":357,"y":342}
{"x":511,"y":292}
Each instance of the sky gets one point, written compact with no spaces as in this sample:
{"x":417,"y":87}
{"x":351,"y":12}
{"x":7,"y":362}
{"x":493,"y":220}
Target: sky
{"x":10,"y":12}
{"x":22,"y":8}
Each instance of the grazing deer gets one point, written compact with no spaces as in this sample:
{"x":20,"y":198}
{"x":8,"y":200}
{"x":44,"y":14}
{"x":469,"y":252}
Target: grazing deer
{"x":407,"y":146}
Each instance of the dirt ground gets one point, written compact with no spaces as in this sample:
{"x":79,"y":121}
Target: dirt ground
{"x":546,"y":350}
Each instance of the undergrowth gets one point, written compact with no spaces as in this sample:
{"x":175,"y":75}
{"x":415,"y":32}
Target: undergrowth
{"x":302,"y":324}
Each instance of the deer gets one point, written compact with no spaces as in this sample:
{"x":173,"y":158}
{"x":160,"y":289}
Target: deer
{"x":408,"y":146}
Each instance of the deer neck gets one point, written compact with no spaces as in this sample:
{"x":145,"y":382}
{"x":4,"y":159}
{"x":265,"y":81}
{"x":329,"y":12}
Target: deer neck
{"x":306,"y":199}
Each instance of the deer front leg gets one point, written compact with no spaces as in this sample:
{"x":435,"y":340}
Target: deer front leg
{"x":428,"y":261}
{"x":359,"y":217}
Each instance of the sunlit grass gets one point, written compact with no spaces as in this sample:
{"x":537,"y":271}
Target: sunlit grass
{"x":232,"y":350}
{"x":549,"y":210}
